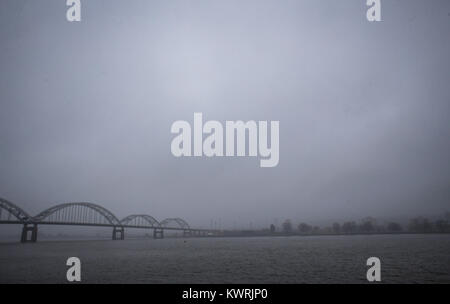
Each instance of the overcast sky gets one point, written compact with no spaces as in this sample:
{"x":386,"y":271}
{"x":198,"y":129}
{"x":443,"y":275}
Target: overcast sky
{"x":364,"y":108}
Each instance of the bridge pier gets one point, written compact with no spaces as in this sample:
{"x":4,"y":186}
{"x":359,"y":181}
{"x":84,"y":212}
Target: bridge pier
{"x":118,"y":233}
{"x":25,"y":235}
{"x":158,"y":233}
{"x":186,"y":233}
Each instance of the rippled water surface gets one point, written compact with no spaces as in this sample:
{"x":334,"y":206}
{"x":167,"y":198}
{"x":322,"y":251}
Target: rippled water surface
{"x":316,"y":259}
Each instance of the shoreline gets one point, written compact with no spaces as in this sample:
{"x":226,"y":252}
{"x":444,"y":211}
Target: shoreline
{"x":233,"y":235}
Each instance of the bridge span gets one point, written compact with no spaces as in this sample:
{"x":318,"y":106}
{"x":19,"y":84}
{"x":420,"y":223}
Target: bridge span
{"x":90,"y":214}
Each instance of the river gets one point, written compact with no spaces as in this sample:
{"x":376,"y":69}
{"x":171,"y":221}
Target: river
{"x":309,"y":259}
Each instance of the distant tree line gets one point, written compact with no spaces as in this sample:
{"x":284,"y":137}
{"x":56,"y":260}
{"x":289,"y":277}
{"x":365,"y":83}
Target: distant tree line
{"x":370,"y":225}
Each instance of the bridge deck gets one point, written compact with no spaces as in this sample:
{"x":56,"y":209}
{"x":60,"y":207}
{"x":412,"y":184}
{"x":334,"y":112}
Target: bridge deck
{"x":105,"y":225}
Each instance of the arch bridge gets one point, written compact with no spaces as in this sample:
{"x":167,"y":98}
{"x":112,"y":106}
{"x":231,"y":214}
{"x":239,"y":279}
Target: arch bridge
{"x":90,"y":214}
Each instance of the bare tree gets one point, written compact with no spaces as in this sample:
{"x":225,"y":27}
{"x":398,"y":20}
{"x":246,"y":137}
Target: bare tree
{"x":420,"y":224}
{"x":394,"y":227}
{"x":287,"y":226}
{"x":336,"y":228}
{"x":304,"y":228}
{"x":272,"y":228}
{"x":349,"y":227}
{"x":442,"y":226}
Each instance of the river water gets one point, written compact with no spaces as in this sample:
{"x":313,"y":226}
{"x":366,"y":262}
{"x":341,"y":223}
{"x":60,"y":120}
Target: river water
{"x":312,"y":259}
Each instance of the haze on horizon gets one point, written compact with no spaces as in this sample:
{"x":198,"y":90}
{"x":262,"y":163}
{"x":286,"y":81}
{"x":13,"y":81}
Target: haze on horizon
{"x":86,"y":108}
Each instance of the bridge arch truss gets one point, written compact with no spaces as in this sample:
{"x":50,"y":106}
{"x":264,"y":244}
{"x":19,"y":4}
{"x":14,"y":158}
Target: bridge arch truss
{"x":140,"y":220}
{"x":170,"y":222}
{"x":12,"y":210}
{"x":82,"y":213}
